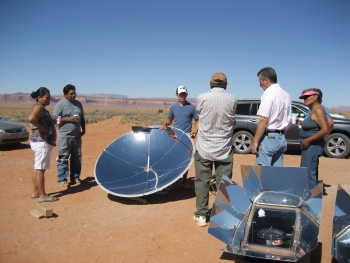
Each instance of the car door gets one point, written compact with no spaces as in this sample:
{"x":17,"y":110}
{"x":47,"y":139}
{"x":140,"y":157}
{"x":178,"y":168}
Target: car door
{"x":253,"y":119}
{"x":241,"y":115}
{"x":292,"y":135}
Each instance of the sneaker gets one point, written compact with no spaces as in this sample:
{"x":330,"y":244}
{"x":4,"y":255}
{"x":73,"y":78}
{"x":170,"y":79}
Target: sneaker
{"x":76,"y":181}
{"x":64,"y":184}
{"x":186,"y":187}
{"x":200,"y":220}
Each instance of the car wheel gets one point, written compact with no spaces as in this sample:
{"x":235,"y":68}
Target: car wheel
{"x":337,"y":145}
{"x":242,"y":141}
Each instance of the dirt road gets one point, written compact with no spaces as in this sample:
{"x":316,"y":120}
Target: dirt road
{"x":90,"y":225}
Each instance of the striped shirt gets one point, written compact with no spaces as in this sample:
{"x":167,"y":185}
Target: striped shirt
{"x":216,"y":113}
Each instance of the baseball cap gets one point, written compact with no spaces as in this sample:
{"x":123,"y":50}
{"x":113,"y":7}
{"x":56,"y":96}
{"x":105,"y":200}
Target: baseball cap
{"x":308,"y":93}
{"x":181,"y":89}
{"x":219,"y":78}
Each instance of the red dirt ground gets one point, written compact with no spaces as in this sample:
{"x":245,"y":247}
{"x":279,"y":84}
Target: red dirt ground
{"x":91,"y":226}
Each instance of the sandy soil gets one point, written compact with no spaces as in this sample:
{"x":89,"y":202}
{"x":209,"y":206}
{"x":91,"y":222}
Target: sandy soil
{"x":90,"y":225}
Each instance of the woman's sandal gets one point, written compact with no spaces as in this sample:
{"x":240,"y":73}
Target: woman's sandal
{"x":48,"y":199}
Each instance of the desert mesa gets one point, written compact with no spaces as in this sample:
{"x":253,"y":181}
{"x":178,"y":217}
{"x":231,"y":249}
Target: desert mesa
{"x":95,"y":99}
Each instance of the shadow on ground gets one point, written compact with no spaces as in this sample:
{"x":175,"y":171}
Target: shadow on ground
{"x":85,"y":185}
{"x":176,"y":194}
{"x":21,"y":146}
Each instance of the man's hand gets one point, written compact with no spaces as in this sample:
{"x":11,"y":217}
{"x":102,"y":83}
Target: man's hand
{"x":166,"y":124}
{"x":254,"y":148}
{"x":74,"y":119}
{"x":260,"y":130}
{"x":193,"y":134}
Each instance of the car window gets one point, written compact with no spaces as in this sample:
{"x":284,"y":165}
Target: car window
{"x":243,"y":108}
{"x":255,"y":107}
{"x":299,"y":112}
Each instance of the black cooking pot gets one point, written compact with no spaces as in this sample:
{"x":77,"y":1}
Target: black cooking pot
{"x":272,"y":235}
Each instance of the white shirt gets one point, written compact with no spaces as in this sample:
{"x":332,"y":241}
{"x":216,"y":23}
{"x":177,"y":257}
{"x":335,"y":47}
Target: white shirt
{"x":216,"y":113}
{"x":276,"y":105}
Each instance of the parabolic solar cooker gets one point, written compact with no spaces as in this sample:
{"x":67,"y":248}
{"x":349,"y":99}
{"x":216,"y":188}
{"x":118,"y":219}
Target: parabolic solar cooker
{"x":144,"y":161}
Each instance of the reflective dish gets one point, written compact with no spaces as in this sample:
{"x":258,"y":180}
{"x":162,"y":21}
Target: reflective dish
{"x":143,"y":161}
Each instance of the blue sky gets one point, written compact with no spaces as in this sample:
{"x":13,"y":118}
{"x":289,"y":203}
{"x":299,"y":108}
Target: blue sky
{"x":146,"y":48}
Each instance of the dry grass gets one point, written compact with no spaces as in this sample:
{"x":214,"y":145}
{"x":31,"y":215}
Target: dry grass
{"x":92,"y":115}
{"x":15,"y":115}
{"x":344,"y":113}
{"x":148,"y":117}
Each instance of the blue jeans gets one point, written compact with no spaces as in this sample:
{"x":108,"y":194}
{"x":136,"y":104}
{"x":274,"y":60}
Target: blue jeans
{"x":70,"y":147}
{"x":271,"y":149}
{"x":310,"y":159}
{"x":203,"y":169}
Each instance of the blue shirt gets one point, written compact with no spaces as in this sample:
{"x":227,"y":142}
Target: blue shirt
{"x":182,"y":116}
{"x":308,"y":128}
{"x":325,"y":109}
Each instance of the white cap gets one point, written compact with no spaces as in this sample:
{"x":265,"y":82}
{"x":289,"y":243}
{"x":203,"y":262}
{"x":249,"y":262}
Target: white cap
{"x":181,"y":89}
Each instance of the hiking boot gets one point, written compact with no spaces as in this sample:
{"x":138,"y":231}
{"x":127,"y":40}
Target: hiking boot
{"x":64,"y":185}
{"x":200,"y":220}
{"x":76,"y":181}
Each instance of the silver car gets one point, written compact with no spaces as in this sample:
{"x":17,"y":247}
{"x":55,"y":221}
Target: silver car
{"x":12,"y":133}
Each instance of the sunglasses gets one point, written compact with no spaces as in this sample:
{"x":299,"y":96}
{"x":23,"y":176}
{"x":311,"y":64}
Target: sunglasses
{"x":307,"y":96}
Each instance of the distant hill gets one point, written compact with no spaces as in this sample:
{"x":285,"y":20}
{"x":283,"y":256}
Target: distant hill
{"x":341,"y":108}
{"x":95,"y":99}
{"x":105,"y":95}
{"x":113,"y":99}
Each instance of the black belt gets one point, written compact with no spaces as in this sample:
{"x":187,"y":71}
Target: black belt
{"x":275,"y":131}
